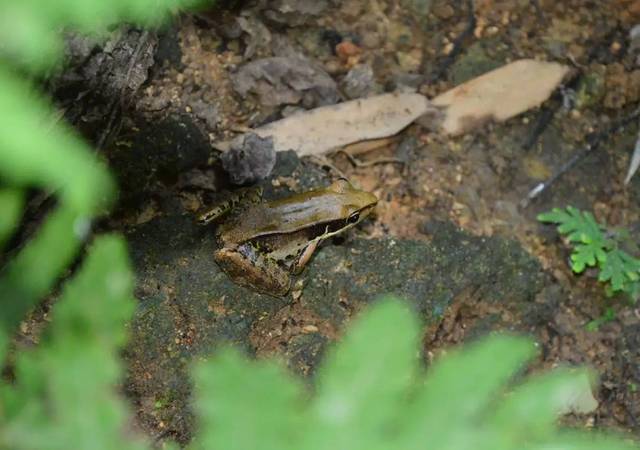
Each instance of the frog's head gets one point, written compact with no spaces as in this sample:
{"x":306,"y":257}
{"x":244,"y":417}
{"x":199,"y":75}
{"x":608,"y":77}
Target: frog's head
{"x":356,"y":204}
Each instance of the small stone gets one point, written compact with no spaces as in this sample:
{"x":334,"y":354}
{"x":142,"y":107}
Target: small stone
{"x":333,"y":67}
{"x":491,"y":31}
{"x":410,"y":61}
{"x":615,"y":47}
{"x":207,"y":112}
{"x":371,"y":40}
{"x":347,"y":49}
{"x":447,"y":48}
{"x":407,"y":82}
{"x":359,"y":82}
{"x":443,"y":11}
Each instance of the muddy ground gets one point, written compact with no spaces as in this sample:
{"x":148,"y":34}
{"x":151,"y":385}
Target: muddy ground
{"x":451,"y":232}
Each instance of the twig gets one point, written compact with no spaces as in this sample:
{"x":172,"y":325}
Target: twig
{"x":357,"y":163}
{"x":323,"y":161}
{"x":457,"y":46}
{"x":359,"y":148}
{"x":538,"y":8}
{"x":546,"y":115}
{"x":593,"y":140}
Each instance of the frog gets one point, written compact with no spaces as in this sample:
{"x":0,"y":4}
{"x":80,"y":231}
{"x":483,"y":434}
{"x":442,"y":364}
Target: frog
{"x":263,"y":244}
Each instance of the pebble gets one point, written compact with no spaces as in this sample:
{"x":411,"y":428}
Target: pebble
{"x":443,"y":11}
{"x":359,"y":82}
{"x":347,"y":49}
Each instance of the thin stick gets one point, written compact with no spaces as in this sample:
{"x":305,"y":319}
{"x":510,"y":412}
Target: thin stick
{"x":457,"y":46}
{"x":357,"y":163}
{"x":359,"y":148}
{"x":593,"y":141}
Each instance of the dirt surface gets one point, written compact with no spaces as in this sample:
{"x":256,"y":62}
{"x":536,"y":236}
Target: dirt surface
{"x":189,"y":308}
{"x":160,"y":146}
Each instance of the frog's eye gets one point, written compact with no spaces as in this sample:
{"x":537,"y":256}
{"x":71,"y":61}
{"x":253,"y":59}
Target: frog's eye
{"x":353,"y":218}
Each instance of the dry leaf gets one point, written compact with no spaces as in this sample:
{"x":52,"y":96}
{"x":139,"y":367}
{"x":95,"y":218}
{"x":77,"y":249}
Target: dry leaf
{"x":322,"y":129}
{"x":498,"y":95}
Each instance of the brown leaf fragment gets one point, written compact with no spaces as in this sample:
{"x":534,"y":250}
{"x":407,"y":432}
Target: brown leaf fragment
{"x":498,"y":95}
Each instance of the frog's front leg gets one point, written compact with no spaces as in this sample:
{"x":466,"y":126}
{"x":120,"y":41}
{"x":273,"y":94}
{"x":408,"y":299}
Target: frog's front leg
{"x":249,"y":268}
{"x":305,"y":256}
{"x":307,"y":252}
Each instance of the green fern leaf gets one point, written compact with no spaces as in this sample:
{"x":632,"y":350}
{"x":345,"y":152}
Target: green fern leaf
{"x":620,"y":269}
{"x":580,"y":227}
{"x":592,"y":247}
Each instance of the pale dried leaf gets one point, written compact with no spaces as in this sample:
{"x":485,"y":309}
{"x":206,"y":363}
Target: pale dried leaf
{"x":498,"y":95}
{"x":323,"y":129}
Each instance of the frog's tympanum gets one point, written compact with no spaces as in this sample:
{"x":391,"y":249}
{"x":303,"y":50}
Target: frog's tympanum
{"x":263,"y":243}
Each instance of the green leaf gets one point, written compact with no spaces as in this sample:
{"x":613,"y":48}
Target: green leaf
{"x":11,"y":203}
{"x":363,"y":382}
{"x":64,"y":395}
{"x":620,"y":269}
{"x":608,"y":316}
{"x":586,"y":255}
{"x":246,"y":405}
{"x":30,"y":33}
{"x":579,"y":226}
{"x":30,"y":275}
{"x":458,"y":390}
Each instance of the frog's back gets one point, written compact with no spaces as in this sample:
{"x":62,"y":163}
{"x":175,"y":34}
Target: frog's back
{"x":283,"y":216}
{"x":308,"y":209}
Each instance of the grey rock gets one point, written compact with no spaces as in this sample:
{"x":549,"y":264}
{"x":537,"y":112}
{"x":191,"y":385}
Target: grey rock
{"x":253,"y":160}
{"x":360,"y":82}
{"x":259,"y":35}
{"x":286,"y":81}
{"x":407,"y":82}
{"x":207,"y":112}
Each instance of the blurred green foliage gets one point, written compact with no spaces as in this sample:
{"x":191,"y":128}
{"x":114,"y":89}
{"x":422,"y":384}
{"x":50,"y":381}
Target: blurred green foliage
{"x":595,"y":246}
{"x":370,"y":393}
{"x":38,"y":151}
{"x":30,"y":29}
{"x":64,"y":393}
